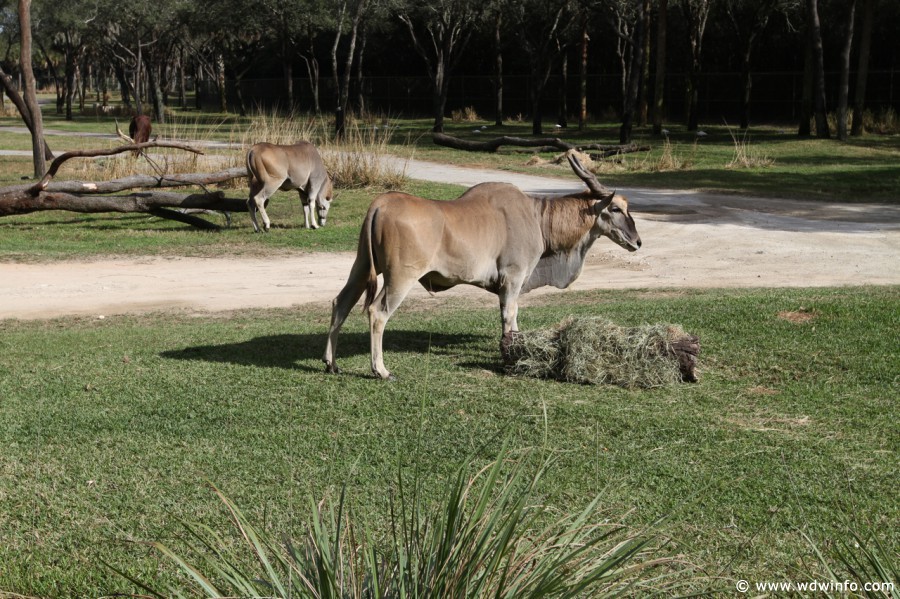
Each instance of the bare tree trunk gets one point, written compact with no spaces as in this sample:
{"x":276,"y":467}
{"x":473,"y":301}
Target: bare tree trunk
{"x":862,"y":71}
{"x":124,"y":89}
{"x":156,"y":95}
{"x":37,"y":121}
{"x":343,"y":88}
{"x":85,"y":83}
{"x":220,"y":82}
{"x":747,"y":80}
{"x":815,"y":29}
{"x":239,"y":91}
{"x":182,"y":87}
{"x":498,"y":71}
{"x":538,"y":82}
{"x":58,"y":87}
{"x":348,"y":65}
{"x":198,"y":85}
{"x":697,"y":14}
{"x":643,"y":108}
{"x":312,"y":72}
{"x":70,"y":69}
{"x":806,"y":94}
{"x":139,"y":79}
{"x":563,"y":107}
{"x":844,"y":88}
{"x":335,"y":77}
{"x":660,"y":83}
{"x":634,"y":81}
{"x":360,"y":90}
{"x":582,"y":75}
{"x":287,"y":66}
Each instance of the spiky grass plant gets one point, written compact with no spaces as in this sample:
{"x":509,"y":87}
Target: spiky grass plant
{"x":862,"y":568}
{"x":595,"y":350}
{"x":488,"y":537}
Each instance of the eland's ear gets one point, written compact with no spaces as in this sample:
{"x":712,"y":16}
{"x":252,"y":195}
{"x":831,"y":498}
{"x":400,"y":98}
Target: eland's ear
{"x":589,"y":178}
{"x":603,"y":203}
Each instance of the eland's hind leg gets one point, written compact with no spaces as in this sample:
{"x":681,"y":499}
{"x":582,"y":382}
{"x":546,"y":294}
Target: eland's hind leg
{"x":258,"y":202}
{"x":255,"y":188}
{"x":340,"y":309}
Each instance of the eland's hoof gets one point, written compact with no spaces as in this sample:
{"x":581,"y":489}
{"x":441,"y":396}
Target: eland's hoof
{"x":332,"y":368}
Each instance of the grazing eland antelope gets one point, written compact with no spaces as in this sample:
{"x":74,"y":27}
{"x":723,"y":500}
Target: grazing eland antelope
{"x":139,"y":128}
{"x":299,"y":166}
{"x":493,"y":236}
{"x":138,"y":131}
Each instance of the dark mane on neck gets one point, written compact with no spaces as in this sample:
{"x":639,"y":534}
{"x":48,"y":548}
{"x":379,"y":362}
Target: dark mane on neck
{"x":565,"y":220}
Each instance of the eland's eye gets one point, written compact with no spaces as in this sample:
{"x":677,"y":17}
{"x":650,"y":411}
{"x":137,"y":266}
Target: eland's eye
{"x":615,"y":209}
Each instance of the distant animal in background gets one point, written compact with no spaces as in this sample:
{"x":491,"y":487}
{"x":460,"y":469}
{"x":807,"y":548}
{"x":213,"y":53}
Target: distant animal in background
{"x":139,"y":129}
{"x":299,"y":166}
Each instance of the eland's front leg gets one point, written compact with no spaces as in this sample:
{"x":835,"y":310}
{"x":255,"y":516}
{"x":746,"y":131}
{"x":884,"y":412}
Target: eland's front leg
{"x":309,"y":213}
{"x":309,"y":216}
{"x":509,"y":306}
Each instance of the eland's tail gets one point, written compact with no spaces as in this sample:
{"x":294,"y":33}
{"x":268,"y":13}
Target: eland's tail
{"x":367,"y":237}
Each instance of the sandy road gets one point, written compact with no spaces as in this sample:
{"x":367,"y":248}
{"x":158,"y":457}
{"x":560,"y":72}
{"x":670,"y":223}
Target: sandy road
{"x":690,"y":240}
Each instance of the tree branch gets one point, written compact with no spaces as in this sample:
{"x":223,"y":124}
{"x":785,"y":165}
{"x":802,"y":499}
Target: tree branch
{"x":492,"y":145}
{"x":54,"y":167}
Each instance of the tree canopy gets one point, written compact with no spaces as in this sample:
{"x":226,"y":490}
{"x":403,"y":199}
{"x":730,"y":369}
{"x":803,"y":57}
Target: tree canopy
{"x":403,"y":56}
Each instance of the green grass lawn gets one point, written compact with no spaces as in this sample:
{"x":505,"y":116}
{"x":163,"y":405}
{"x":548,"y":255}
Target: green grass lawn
{"x":112,"y":427}
{"x":57,"y":235}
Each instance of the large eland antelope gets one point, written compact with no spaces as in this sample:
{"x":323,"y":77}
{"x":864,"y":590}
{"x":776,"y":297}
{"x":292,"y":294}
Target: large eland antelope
{"x":493,"y":236}
{"x":299,"y":166}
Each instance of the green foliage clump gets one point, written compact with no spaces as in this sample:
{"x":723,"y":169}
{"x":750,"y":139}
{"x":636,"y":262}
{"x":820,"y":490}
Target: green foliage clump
{"x":487,"y":537}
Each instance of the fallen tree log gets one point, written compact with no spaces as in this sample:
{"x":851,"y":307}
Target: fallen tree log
{"x":94,"y":196}
{"x":135,"y":182}
{"x":492,"y":145}
{"x":141,"y":201}
{"x":541,"y":144}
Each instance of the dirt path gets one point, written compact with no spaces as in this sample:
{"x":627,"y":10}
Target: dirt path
{"x":690,"y":240}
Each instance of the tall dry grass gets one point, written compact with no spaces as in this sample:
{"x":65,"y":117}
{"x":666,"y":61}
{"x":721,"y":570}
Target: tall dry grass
{"x":467,"y":114}
{"x":670,"y":158}
{"x":366,"y":156}
{"x":156,"y":161}
{"x":746,"y":155}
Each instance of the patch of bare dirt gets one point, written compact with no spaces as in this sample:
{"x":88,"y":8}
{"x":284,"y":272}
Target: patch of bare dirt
{"x":801,"y":316}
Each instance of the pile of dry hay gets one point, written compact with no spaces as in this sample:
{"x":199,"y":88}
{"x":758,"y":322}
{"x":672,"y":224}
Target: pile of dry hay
{"x":595,"y":350}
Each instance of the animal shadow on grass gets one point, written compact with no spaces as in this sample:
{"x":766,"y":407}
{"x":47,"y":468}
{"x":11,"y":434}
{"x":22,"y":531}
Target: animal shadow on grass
{"x":294,"y":352}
